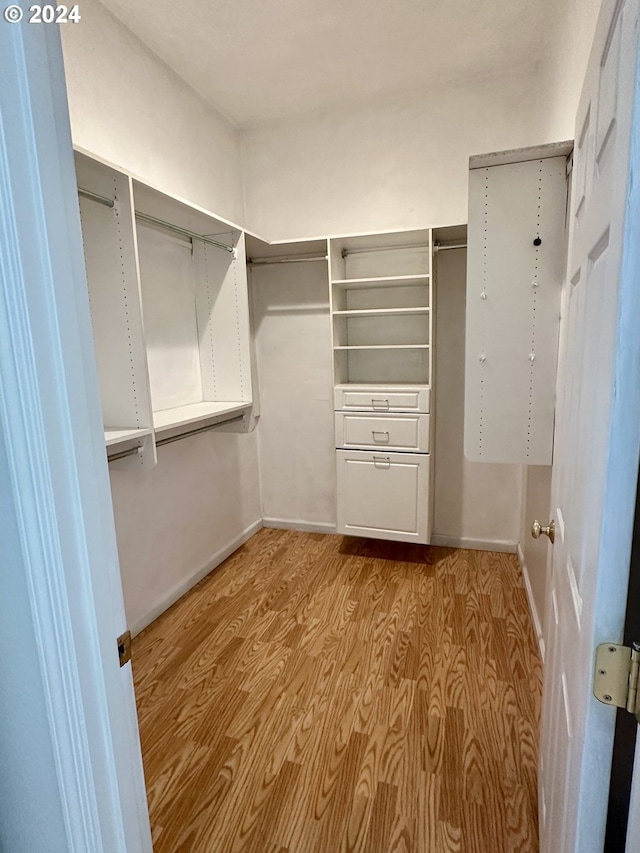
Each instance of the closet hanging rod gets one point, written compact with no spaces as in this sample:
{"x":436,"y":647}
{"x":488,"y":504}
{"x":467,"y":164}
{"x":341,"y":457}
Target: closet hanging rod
{"x":257,"y":262}
{"x":346,"y":252}
{"x":152,"y":220}
{"x":443,"y":247}
{"x":108,"y":202}
{"x":131,"y":452}
{"x":206,"y":428}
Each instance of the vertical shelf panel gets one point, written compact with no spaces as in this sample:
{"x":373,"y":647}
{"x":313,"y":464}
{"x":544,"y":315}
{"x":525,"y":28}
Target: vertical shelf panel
{"x":223,"y":319}
{"x":513,"y":309}
{"x":116,"y":313}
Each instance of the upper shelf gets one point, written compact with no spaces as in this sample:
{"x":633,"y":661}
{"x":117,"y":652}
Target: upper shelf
{"x":376,"y":312}
{"x":381,"y":281}
{"x":117,"y":436}
{"x":382,"y":346}
{"x":193,"y":413}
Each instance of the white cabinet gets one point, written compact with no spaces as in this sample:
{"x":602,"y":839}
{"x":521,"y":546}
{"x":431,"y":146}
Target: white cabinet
{"x":383,"y":495}
{"x":382,"y":333}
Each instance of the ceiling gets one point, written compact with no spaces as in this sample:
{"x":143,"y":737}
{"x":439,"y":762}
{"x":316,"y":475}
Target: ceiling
{"x":259,"y":62}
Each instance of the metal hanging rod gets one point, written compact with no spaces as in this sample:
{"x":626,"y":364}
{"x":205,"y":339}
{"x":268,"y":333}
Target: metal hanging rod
{"x":108,"y":202}
{"x":206,"y":428}
{"x":132,"y":451}
{"x":144,"y":217}
{"x":347,"y":252}
{"x":152,"y":220}
{"x":257,"y":262}
{"x":443,"y":247}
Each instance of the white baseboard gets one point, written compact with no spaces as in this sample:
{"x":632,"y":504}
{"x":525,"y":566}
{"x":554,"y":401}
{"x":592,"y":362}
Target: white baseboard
{"x":537,"y":624}
{"x":186,"y":583}
{"x":503,"y":545}
{"x":296,"y":524}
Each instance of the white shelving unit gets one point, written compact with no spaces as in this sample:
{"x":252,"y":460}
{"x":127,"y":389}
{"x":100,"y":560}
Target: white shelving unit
{"x":106,"y":213}
{"x":195,"y":304}
{"x":151,"y":256}
{"x":516,"y":262}
{"x":382,"y":338}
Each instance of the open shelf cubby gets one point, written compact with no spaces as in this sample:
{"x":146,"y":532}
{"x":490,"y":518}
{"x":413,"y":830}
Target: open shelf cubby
{"x":107,"y":217}
{"x":381,"y":295}
{"x":195,"y":306}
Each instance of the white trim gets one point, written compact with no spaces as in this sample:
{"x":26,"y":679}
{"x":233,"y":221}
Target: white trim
{"x":57,"y":466}
{"x":177,"y":591}
{"x":298,"y":524}
{"x":521,"y":155}
{"x":537,"y":624}
{"x":504,"y":546}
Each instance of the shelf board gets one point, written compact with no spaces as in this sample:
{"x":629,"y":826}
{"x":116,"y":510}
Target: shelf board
{"x":194,"y":412}
{"x":380,"y":387}
{"x":384,"y":346}
{"x":378,"y":312}
{"x":114,"y":436}
{"x":384,"y":281}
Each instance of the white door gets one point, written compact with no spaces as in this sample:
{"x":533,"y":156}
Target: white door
{"x":64,"y":540}
{"x":596,"y":439}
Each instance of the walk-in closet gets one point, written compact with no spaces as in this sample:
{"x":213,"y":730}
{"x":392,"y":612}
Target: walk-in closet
{"x":320,"y":404}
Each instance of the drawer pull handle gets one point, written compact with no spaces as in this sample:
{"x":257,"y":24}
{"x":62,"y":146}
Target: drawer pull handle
{"x":384,"y":460}
{"x":379,"y":404}
{"x":383,"y":433}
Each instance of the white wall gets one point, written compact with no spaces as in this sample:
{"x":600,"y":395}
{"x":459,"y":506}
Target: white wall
{"x":295,"y":431}
{"x":130,"y":108}
{"x":175,"y":521}
{"x":392,"y":165}
{"x":569,"y":39}
{"x":475,"y":503}
{"x":403,"y":163}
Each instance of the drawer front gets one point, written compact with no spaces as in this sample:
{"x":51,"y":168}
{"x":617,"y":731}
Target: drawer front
{"x":383,"y":495}
{"x":383,"y":400}
{"x":391,"y":432}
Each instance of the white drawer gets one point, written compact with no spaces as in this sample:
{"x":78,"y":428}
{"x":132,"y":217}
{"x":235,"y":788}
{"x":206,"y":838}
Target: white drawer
{"x":384,"y":495}
{"x":391,"y":432}
{"x":383,"y":399}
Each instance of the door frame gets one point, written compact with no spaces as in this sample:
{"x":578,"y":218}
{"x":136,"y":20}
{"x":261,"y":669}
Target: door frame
{"x":52,"y":428}
{"x":626,"y":732}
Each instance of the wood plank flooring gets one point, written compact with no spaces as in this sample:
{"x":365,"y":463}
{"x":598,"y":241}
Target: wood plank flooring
{"x":318,"y":694}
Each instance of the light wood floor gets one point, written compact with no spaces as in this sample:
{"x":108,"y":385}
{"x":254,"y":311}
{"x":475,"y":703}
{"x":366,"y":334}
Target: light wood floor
{"x":316,"y":694}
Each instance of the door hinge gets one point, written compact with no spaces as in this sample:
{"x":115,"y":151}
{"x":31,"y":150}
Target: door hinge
{"x":124,"y":647}
{"x":616,"y":677}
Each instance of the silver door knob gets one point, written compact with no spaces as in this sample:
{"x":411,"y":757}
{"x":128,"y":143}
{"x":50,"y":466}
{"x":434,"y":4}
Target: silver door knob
{"x":550,"y":531}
